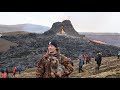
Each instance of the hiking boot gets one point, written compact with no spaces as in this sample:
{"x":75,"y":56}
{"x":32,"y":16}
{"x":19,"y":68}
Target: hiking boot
{"x":82,"y":70}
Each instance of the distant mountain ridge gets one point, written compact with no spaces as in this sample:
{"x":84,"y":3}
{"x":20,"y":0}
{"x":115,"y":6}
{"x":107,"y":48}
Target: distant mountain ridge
{"x":24,"y":27}
{"x":99,"y":33}
{"x":109,"y":38}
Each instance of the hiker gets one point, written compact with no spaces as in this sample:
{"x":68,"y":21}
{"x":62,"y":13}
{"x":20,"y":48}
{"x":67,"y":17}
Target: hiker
{"x":4,"y":74}
{"x":53,"y":64}
{"x":14,"y":71}
{"x":19,"y":69}
{"x":2,"y":70}
{"x":81,"y":62}
{"x":90,"y":56}
{"x":98,"y":60}
{"x":6,"y":70}
{"x":87,"y":58}
{"x":118,"y":54}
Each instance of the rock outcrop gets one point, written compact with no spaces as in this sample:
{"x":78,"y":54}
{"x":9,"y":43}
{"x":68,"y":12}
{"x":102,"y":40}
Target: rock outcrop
{"x":66,"y":27}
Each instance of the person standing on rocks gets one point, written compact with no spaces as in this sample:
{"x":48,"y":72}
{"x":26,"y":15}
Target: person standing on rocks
{"x":87,"y":58}
{"x":81,"y":62}
{"x":53,"y":64}
{"x":118,"y":54}
{"x":98,"y":60}
{"x":14,"y":71}
{"x":4,"y":74}
{"x":19,"y":69}
{"x":7,"y":71}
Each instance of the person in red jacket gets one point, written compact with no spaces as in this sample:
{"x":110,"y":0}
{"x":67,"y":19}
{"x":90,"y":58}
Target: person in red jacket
{"x":14,"y":71}
{"x":87,"y":59}
{"x":4,"y":75}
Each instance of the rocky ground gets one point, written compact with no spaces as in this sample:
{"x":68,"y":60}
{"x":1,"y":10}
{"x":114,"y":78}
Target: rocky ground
{"x":32,"y":46}
{"x":5,"y":45}
{"x":110,"y":68}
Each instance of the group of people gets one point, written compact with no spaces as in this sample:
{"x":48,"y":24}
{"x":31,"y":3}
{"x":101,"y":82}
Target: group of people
{"x":86,"y":58}
{"x":56,"y":65}
{"x":5,"y":72}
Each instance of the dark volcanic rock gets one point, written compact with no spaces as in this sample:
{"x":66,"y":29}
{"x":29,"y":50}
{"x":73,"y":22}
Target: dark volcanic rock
{"x":32,"y":46}
{"x":69,"y":29}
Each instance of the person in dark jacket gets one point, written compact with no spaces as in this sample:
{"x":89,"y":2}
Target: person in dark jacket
{"x":7,"y":71}
{"x":98,"y":60}
{"x":118,"y":54}
{"x":81,"y":62}
{"x":2,"y":70}
{"x":19,"y":69}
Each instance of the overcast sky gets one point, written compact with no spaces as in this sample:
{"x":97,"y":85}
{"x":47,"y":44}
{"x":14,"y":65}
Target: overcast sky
{"x":81,"y":21}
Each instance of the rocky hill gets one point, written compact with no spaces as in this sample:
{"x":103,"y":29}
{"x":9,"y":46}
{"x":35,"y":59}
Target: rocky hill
{"x":23,"y":27}
{"x":67,"y":27}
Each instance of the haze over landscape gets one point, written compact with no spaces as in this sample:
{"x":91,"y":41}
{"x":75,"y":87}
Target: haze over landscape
{"x":103,"y":26}
{"x":82,"y":21}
